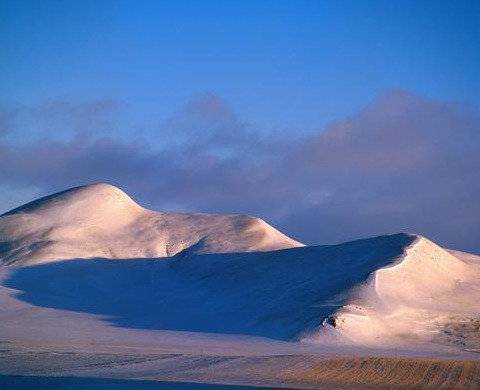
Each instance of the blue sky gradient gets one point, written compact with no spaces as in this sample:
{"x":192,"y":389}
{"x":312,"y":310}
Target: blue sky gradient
{"x":289,"y":65}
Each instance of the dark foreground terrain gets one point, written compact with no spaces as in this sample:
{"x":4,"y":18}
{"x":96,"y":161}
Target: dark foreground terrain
{"x":46,"y":370}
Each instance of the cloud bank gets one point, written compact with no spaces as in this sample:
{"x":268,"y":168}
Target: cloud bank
{"x":404,"y":163}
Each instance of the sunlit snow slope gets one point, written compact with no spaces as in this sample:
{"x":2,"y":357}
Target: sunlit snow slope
{"x":102,"y":221}
{"x":428,"y":294}
{"x":206,"y":274}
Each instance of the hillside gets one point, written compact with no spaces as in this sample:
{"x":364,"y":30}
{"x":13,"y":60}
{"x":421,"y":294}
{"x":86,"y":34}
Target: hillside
{"x":102,"y":221}
{"x":191,"y":276}
{"x":428,"y":294}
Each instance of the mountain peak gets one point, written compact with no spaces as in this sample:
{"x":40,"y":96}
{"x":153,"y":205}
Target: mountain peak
{"x":93,"y":195}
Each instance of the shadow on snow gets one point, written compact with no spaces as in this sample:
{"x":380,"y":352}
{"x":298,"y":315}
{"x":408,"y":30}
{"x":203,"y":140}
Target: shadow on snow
{"x":271,"y":294}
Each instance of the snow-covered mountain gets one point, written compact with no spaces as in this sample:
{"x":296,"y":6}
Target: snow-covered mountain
{"x":102,"y":221}
{"x":207,"y":274}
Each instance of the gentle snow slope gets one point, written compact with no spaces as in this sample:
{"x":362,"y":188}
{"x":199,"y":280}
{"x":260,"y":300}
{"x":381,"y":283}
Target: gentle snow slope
{"x":102,"y":221}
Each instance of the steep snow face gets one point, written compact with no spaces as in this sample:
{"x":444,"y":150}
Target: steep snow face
{"x":102,"y":221}
{"x":428,"y":294}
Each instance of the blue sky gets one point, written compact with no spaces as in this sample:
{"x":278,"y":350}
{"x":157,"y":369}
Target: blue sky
{"x":283,"y":65}
{"x":207,"y":106}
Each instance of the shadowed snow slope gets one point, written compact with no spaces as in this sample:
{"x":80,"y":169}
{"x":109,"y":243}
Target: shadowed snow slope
{"x":275,"y":294}
{"x":102,"y":221}
{"x":176,"y":275}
